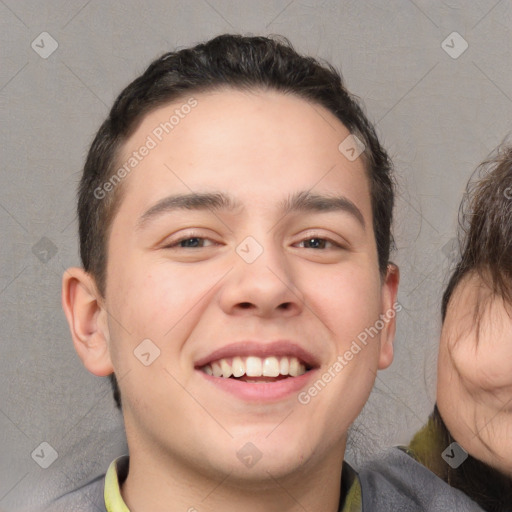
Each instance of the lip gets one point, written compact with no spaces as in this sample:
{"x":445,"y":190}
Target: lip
{"x":261,"y":391}
{"x":280,"y":348}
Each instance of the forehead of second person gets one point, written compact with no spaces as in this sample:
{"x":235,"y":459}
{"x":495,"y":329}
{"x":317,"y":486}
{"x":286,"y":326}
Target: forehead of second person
{"x":260,"y":147}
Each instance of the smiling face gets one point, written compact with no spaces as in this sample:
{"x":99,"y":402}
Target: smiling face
{"x":243,"y":252}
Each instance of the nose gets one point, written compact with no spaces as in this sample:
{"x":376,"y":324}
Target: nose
{"x":263,"y":288}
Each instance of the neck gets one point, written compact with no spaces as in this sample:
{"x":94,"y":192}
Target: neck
{"x":159,"y":482}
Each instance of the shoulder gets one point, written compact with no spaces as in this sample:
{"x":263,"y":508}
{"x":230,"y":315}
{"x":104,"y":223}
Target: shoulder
{"x":397,"y":482}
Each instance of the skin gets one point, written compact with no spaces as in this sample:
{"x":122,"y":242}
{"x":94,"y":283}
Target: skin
{"x":474,"y":391}
{"x":183,"y":434}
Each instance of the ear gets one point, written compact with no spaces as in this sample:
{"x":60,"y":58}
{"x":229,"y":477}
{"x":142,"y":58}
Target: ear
{"x":390,"y":308}
{"x":86,"y":316}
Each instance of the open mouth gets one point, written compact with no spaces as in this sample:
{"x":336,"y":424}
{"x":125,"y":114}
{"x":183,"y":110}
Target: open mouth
{"x":254,"y":369}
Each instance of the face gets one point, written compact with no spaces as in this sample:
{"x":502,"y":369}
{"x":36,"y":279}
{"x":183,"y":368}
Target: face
{"x":242,"y":275}
{"x":475,"y":373}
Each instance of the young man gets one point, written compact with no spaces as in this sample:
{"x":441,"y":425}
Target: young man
{"x":234,"y":214}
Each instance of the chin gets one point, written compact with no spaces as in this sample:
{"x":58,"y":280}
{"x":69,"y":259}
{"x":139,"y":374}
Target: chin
{"x":257,"y":456}
{"x":264,"y":472}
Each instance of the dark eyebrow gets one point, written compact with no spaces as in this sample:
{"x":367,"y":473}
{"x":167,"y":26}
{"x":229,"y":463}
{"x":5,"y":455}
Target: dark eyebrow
{"x":192,"y":201}
{"x":308,"y":202}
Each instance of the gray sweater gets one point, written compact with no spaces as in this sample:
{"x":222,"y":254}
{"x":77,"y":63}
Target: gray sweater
{"x":394,"y":482}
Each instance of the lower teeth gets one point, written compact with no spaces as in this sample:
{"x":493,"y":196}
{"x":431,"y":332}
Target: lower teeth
{"x":259,"y":379}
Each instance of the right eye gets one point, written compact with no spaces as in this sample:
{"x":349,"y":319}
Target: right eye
{"x":192,"y":242}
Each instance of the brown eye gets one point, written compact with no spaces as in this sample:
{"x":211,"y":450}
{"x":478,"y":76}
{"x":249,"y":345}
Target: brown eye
{"x":192,"y":242}
{"x":315,"y":243}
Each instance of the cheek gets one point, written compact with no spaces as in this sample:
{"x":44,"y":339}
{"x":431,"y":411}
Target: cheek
{"x":484,"y":363}
{"x":447,"y":379}
{"x":348,"y":302}
{"x":153,"y":314}
{"x":349,"y":306}
{"x":158,"y":301}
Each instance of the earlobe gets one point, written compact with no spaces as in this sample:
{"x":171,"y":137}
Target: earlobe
{"x":86,"y":317}
{"x":390,"y":308}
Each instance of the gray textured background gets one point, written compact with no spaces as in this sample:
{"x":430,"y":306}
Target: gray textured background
{"x":439,"y":116}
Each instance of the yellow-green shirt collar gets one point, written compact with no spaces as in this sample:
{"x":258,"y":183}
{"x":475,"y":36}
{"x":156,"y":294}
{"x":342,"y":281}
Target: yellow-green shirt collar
{"x":116,"y":474}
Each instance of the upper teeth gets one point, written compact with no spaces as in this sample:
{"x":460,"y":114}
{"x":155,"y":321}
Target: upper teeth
{"x":255,"y":367}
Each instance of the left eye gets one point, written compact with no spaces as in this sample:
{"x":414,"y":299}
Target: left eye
{"x":316,"y":243}
{"x":192,"y":242}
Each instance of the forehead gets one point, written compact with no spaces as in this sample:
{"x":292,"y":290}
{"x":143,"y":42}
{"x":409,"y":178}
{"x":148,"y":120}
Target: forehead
{"x":257,"y":144}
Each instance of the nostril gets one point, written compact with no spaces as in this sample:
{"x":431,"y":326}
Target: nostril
{"x":285,"y":305}
{"x":245,"y":305}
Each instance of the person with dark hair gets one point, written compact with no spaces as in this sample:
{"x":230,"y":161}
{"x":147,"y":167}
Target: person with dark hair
{"x":467,"y":441}
{"x":243,"y":64}
{"x":235,"y":215}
